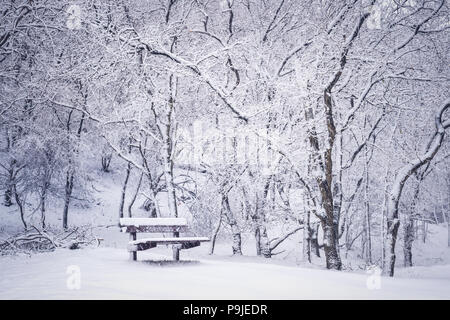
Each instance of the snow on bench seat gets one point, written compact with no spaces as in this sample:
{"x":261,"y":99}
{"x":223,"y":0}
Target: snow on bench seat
{"x":181,"y":242}
{"x":170,"y":240}
{"x":137,"y":222}
{"x":158,"y":225}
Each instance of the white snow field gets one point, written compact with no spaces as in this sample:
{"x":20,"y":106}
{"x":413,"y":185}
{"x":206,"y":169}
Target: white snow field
{"x":106,"y":273}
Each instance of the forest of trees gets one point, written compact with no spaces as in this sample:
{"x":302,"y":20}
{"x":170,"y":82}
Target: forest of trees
{"x":260,"y":116}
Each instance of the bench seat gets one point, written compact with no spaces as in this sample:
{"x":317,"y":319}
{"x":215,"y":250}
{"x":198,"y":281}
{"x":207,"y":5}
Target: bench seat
{"x":182,"y":242}
{"x":175,"y":226}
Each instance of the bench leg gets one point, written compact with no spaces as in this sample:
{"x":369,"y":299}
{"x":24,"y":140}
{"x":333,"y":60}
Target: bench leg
{"x":176,"y":253}
{"x":176,"y":249}
{"x":133,"y":254}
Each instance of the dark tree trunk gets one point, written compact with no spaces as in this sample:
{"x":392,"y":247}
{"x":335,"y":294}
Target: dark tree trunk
{"x":448,"y":229}
{"x":307,"y":236}
{"x":409,"y":228}
{"x":258,"y":241}
{"x":214,"y":235}
{"x":43,"y":200}
{"x":124,"y":190}
{"x":8,"y":197}
{"x":329,"y":221}
{"x":264,"y":242}
{"x":43,"y":212}
{"x":333,"y":261}
{"x":70,"y":174}
{"x":264,"y":239}
{"x":391,"y":238}
{"x":408,"y":241}
{"x":10,"y":185}
{"x":68,"y":195}
{"x":133,"y":200}
{"x":314,"y":239}
{"x":236,"y":233}
{"x":20,"y":204}
{"x":106,"y":161}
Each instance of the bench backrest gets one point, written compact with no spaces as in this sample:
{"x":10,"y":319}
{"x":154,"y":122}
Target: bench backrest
{"x":157,"y":225}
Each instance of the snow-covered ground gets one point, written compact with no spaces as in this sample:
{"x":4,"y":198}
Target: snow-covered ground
{"x":106,"y":273}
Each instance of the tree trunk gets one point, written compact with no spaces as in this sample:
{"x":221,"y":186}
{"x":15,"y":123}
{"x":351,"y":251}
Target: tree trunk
{"x":133,"y":200}
{"x":43,"y":199}
{"x":329,"y":221}
{"x":214,"y":235}
{"x":408,"y":241}
{"x":166,"y":133}
{"x":168,"y":174}
{"x":20,"y":204}
{"x":448,"y":229}
{"x":333,"y":261}
{"x":424,"y":230}
{"x":314,"y":236}
{"x":70,"y":172}
{"x":236,"y":233}
{"x":306,"y":234}
{"x":448,"y":200}
{"x":8,"y":196}
{"x":402,"y":176}
{"x":258,"y":241}
{"x":9,"y":185}
{"x":391,"y":238}
{"x":43,"y":211}
{"x":409,"y":230}
{"x":171,"y":196}
{"x":124,"y":190}
{"x":367,"y":207}
{"x":68,"y":193}
{"x":264,"y":242}
{"x":106,"y":161}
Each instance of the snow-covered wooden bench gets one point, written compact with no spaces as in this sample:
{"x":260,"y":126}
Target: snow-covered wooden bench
{"x":158,"y":225}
